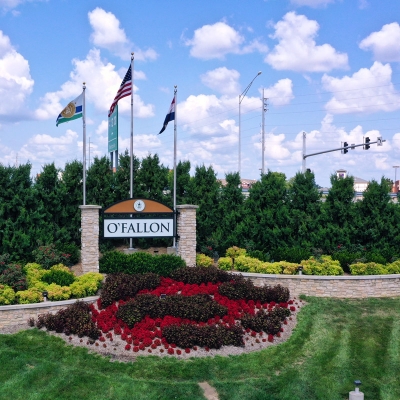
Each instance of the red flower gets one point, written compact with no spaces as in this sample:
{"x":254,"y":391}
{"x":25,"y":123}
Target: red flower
{"x":270,"y":338}
{"x":135,"y":349}
{"x":187,"y":350}
{"x":179,"y":352}
{"x":170,"y":350}
{"x":128,"y":347}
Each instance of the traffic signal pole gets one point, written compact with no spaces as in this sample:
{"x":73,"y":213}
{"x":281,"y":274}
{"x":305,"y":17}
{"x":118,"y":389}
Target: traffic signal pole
{"x":352,"y":146}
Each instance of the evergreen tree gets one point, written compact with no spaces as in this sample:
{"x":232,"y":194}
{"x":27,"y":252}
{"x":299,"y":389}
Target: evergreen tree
{"x":338,"y":218}
{"x":122,"y":177}
{"x":204,"y":191}
{"x":232,"y":213}
{"x":266,"y":221}
{"x":304,"y":209}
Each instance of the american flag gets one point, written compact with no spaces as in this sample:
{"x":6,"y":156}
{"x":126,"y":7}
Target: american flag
{"x":124,"y":90}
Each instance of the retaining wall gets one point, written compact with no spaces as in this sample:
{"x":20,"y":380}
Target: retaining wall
{"x":19,"y":314}
{"x":333,"y":286}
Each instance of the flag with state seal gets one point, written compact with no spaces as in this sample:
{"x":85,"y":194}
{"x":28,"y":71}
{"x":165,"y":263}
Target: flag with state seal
{"x":73,"y":110}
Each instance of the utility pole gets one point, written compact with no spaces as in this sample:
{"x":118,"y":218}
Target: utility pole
{"x":304,"y":152}
{"x":264,"y":110}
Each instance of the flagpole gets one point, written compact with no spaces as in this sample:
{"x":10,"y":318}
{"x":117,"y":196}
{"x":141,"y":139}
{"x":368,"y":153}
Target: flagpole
{"x":84,"y":144}
{"x":175,"y":95}
{"x":131,"y":149}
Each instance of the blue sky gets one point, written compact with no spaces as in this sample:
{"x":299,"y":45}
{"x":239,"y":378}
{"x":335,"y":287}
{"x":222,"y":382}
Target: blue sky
{"x":330,"y":68}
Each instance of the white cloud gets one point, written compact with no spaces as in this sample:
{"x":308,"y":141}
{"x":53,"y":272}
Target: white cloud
{"x":384,"y":44}
{"x":223,"y":80}
{"x":281,"y":93}
{"x":10,"y":4}
{"x":15,"y":79}
{"x":218,"y":40}
{"x":312,"y":3}
{"x":102,"y":128}
{"x":367,"y":90}
{"x":297,"y":49}
{"x":102,"y":82}
{"x":108,"y":34}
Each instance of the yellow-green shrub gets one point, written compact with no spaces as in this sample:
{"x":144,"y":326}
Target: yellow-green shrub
{"x":225,"y":263}
{"x":368,"y":269}
{"x":322,"y":266}
{"x":57,"y":292}
{"x":40,"y":286}
{"x":203,"y":261}
{"x":267,"y":268}
{"x":34,"y":273}
{"x":234,"y":252}
{"x":394,"y":267}
{"x":7,"y":295}
{"x":287,"y":268}
{"x":86,"y":285}
{"x":29,"y":296}
{"x":246,"y":264}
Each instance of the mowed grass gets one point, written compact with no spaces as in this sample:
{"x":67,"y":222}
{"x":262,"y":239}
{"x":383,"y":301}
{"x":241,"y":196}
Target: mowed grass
{"x":334,"y":343}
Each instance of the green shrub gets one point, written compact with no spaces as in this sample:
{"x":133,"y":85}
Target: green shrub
{"x":290,"y":254}
{"x":34,"y":273}
{"x":394,"y":267}
{"x":368,"y":269}
{"x":7,"y":295}
{"x":29,"y":296}
{"x":375,"y":257}
{"x":267,"y":268}
{"x":203,"y":261}
{"x":70,"y":251}
{"x":139,"y":263}
{"x":265,"y":257}
{"x":225,"y":263}
{"x":346,"y":258}
{"x":322,"y":266}
{"x":59,"y":274}
{"x":4,"y":260}
{"x":245,"y":264}
{"x":14,"y":277}
{"x":57,"y":292}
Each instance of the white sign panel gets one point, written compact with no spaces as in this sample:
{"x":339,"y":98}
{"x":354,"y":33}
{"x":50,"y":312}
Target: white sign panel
{"x":127,"y":228}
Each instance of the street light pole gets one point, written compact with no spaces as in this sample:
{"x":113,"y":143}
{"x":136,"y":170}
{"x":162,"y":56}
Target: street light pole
{"x":241,"y":97}
{"x":395,"y":170}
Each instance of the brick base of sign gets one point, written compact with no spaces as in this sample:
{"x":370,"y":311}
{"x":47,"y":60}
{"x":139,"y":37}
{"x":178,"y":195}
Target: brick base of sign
{"x":332,"y":286}
{"x":186,"y":226}
{"x":90,"y":238}
{"x":19,"y":314}
{"x":171,"y":250}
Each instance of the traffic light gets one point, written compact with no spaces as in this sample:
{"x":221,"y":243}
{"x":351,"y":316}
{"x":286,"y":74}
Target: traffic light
{"x":345,"y":144}
{"x":367,"y":146}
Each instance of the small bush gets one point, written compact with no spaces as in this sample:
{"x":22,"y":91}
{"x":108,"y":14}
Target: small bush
{"x":34,"y":273}
{"x":70,"y":251}
{"x":57,"y":292}
{"x":29,"y":296}
{"x":49,"y":255}
{"x":246,"y":264}
{"x":265,"y":257}
{"x":203,"y":261}
{"x":139,"y":263}
{"x":322,"y":266}
{"x":368,"y":269}
{"x":199,"y":275}
{"x":394,"y":267}
{"x":225,"y":263}
{"x":86,"y":285}
{"x":59,"y":274}
{"x":4,"y":260}
{"x":75,"y":319}
{"x":290,"y":254}
{"x":7,"y":295}
{"x":14,"y":277}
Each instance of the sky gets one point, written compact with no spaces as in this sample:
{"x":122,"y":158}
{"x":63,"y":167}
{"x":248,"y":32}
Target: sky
{"x":329,"y":68}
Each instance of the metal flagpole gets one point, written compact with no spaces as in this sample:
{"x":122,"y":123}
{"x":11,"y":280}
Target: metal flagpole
{"x":304,"y":153}
{"x":175,"y":92}
{"x":84,"y":144}
{"x":131,"y":149}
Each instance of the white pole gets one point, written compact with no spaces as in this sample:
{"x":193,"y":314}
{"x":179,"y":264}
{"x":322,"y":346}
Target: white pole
{"x":263,"y":105}
{"x":175,"y":136}
{"x":84,"y":144}
{"x":131,"y":147}
{"x":304,"y":152}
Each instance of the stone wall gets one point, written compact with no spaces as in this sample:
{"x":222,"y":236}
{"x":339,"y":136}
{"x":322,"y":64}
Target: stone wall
{"x":330,"y":286}
{"x":186,"y":225}
{"x":19,"y":314}
{"x":90,"y":238}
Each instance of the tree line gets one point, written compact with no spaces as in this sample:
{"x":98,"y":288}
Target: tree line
{"x":277,"y":214}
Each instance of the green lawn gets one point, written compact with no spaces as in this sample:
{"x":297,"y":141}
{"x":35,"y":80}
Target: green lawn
{"x":334,"y":343}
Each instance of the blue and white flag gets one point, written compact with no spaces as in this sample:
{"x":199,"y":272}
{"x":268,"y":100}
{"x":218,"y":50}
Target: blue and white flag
{"x":72,"y":111}
{"x":170,"y":116}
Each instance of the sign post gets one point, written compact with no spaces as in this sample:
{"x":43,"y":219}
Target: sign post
{"x":113,"y":137}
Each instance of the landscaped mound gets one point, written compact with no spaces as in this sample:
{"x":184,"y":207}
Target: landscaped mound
{"x":174,"y":316}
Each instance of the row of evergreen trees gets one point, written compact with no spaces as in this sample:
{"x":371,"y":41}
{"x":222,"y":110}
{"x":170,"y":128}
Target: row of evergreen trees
{"x":277,"y":213}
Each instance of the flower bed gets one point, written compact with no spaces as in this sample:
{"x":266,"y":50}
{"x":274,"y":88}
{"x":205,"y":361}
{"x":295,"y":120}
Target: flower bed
{"x":176,"y":318}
